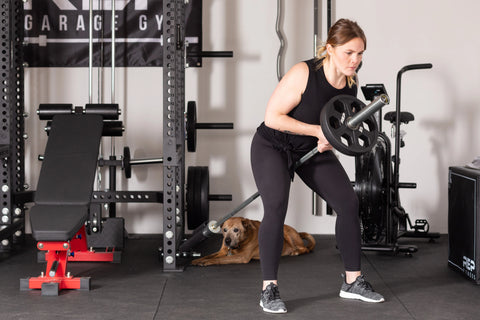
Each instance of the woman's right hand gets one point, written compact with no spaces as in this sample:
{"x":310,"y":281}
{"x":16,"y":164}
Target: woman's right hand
{"x":322,"y":147}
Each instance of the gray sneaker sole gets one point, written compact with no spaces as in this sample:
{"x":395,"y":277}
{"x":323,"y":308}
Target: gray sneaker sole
{"x":272,"y":311}
{"x":349,"y":295}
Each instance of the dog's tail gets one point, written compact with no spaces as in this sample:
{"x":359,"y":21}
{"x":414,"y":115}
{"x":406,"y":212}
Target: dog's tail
{"x":310,"y":240}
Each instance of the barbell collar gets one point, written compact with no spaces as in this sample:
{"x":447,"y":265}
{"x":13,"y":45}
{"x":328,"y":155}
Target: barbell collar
{"x":214,"y":227}
{"x":377,"y":103}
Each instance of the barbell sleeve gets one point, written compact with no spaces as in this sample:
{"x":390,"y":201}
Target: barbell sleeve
{"x":366,"y":112}
{"x":134,"y":162}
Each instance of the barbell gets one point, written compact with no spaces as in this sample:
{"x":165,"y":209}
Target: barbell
{"x":349,"y":126}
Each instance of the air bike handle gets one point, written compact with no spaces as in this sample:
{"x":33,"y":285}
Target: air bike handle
{"x":415,"y":67}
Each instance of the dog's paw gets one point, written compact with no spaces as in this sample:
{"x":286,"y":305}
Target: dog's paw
{"x":196,"y":263}
{"x":199,"y":263}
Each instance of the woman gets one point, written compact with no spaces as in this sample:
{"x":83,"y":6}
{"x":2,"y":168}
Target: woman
{"x":291,"y":129}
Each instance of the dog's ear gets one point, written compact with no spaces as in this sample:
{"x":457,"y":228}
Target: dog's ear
{"x":247,"y":223}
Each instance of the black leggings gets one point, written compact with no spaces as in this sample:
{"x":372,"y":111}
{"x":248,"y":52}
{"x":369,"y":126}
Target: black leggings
{"x":324,"y":174}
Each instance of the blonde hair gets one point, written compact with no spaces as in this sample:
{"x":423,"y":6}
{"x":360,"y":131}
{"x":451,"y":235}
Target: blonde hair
{"x":340,"y":33}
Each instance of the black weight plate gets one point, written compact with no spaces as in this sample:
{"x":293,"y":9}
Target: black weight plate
{"x":127,"y":168}
{"x":198,"y":205}
{"x":333,"y":120}
{"x":204,"y":190}
{"x":361,"y":178}
{"x":191,"y":126}
{"x":372,"y":193}
{"x":190,"y":197}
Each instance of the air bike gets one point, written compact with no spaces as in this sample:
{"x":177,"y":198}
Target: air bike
{"x":377,"y":184}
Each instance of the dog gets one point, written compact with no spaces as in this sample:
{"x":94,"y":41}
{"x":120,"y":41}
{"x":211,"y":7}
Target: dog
{"x":240,"y":243}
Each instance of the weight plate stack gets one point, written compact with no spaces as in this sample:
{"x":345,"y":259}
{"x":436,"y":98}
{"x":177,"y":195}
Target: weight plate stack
{"x":371,"y":188}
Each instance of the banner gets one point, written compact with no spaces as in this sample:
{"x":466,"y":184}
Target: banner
{"x":57,"y":32}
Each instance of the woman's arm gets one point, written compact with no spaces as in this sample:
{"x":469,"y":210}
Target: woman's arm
{"x":285,"y":97}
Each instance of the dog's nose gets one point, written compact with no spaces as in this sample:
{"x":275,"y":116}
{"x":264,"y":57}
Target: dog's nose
{"x":228,"y":241}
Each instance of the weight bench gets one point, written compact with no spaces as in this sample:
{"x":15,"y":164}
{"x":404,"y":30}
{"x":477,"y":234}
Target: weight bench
{"x":62,"y":201}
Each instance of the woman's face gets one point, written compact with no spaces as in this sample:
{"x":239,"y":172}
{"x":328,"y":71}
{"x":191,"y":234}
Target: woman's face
{"x":347,"y":57}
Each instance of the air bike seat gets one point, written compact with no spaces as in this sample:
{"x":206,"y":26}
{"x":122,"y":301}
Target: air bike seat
{"x":62,"y":200}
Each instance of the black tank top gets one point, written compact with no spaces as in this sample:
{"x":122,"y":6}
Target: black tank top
{"x":317,"y":93}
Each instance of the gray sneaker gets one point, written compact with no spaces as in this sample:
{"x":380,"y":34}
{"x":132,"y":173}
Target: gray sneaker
{"x":361,"y":290}
{"x":270,"y":300}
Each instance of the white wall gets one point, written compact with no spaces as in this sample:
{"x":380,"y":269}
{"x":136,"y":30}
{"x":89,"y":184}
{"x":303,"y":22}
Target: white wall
{"x":443,"y":99}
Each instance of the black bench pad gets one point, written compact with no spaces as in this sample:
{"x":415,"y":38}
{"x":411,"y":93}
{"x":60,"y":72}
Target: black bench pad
{"x":65,"y":184}
{"x":68,"y":170}
{"x":57,"y":222}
